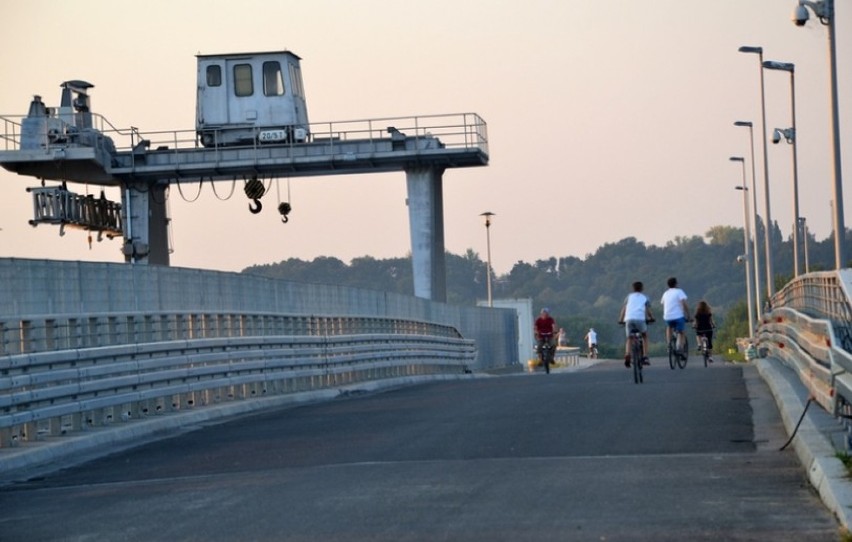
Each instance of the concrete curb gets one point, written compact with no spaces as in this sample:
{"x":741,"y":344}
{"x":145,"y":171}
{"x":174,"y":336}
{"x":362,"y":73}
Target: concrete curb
{"x":815,"y":449}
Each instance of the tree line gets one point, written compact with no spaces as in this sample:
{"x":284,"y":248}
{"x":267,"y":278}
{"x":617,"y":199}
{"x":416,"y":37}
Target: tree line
{"x":588,"y":292}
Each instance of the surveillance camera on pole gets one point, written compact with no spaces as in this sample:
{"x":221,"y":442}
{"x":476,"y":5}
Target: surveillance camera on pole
{"x":800,"y":15}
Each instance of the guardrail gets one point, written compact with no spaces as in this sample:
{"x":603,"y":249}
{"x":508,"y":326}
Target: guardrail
{"x":44,"y":333}
{"x":55,"y":392}
{"x":822,"y":295}
{"x":804,"y":344}
{"x":809,"y":329}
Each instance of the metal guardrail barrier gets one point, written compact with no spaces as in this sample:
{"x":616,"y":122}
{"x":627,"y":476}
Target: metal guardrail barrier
{"x":46,"y":333}
{"x":51,"y":392}
{"x":810,"y":329}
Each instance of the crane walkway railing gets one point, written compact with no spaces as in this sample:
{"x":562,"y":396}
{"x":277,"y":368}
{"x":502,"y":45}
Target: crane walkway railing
{"x":109,"y":154}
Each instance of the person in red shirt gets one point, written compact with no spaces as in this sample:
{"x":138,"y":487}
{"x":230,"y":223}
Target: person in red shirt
{"x":545,"y":329}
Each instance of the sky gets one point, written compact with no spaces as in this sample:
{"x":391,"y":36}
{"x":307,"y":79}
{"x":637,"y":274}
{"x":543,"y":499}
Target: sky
{"x":606,"y":120}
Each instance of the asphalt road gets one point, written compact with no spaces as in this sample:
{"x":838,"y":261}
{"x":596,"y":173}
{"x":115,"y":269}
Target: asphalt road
{"x":689,"y":455}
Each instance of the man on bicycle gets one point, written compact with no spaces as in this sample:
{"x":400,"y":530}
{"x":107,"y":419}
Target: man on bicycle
{"x":592,"y":341}
{"x":635,"y":314}
{"x":675,"y":313}
{"x":544,"y":329}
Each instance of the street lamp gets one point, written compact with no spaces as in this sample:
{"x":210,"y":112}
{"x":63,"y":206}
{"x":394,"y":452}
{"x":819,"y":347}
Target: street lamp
{"x":756,"y":251}
{"x":804,"y":228}
{"x":824,"y":10}
{"x":770,"y":282}
{"x":746,"y":256}
{"x":790,"y":135}
{"x":488,"y":215}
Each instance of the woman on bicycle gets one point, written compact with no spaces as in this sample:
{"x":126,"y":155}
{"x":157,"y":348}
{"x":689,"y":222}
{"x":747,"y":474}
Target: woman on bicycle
{"x":635,"y":314}
{"x":704,"y":325}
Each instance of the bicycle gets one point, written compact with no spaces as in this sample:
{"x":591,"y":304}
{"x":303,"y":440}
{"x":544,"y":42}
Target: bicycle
{"x":545,"y":352}
{"x":637,"y":352}
{"x":593,"y":352}
{"x":704,"y":348}
{"x":677,"y":357}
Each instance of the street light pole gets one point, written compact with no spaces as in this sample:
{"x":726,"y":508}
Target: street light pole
{"x":746,"y":256}
{"x":790,"y":136}
{"x":824,"y":9}
{"x":756,"y":251}
{"x":770,"y":281}
{"x":804,"y":224}
{"x":488,"y":215}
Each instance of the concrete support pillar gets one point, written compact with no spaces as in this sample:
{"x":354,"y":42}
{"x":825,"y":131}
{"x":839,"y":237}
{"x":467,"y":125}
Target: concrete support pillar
{"x":146,"y":238}
{"x":426,"y":219}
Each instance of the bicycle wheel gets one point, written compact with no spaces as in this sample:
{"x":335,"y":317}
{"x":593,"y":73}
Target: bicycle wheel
{"x":547,"y":360}
{"x":705,"y":351}
{"x":636,"y":359}
{"x":672,"y":352}
{"x":681,"y":359}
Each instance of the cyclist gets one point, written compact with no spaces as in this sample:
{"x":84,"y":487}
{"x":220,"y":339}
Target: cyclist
{"x":704,"y":325}
{"x":591,"y":339}
{"x":675,"y":313}
{"x":544,"y":329}
{"x":635,"y":314}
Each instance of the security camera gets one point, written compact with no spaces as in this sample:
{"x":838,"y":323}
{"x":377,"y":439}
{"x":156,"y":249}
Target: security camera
{"x":740,"y":259}
{"x":800,"y":15}
{"x":776,"y":136}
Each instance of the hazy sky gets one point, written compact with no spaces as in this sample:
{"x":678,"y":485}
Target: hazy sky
{"x":606,"y":119}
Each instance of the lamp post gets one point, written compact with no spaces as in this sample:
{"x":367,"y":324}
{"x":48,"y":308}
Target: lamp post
{"x":824,"y":10}
{"x":488,"y":215}
{"x":790,"y":135}
{"x":756,"y":251}
{"x":770,"y":282}
{"x":804,"y":225}
{"x":746,"y":256}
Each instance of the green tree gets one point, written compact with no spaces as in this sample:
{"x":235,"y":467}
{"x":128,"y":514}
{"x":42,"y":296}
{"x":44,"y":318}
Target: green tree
{"x":724,"y":235}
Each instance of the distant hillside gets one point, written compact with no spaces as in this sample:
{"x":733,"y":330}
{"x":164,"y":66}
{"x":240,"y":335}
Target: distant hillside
{"x":583,"y":292}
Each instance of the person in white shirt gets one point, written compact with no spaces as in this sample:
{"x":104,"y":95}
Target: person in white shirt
{"x":675,"y":313}
{"x":591,"y":339}
{"x":635,"y":314}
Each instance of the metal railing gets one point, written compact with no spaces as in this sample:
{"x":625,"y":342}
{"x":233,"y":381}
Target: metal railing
{"x":809,"y":329}
{"x":822,"y":295}
{"x":58,"y":332}
{"x":68,"y":374}
{"x":454,"y":130}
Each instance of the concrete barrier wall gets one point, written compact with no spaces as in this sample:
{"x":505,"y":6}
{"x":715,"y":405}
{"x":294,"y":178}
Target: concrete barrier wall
{"x":33,"y":290}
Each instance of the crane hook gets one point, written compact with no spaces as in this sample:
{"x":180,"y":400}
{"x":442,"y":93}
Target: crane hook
{"x":284,"y":208}
{"x":254,"y":190}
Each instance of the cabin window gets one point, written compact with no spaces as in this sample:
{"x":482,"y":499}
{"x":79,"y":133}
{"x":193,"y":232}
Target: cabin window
{"x":214,"y":75}
{"x":273,"y":79}
{"x":296,"y":78}
{"x":242,"y":80}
